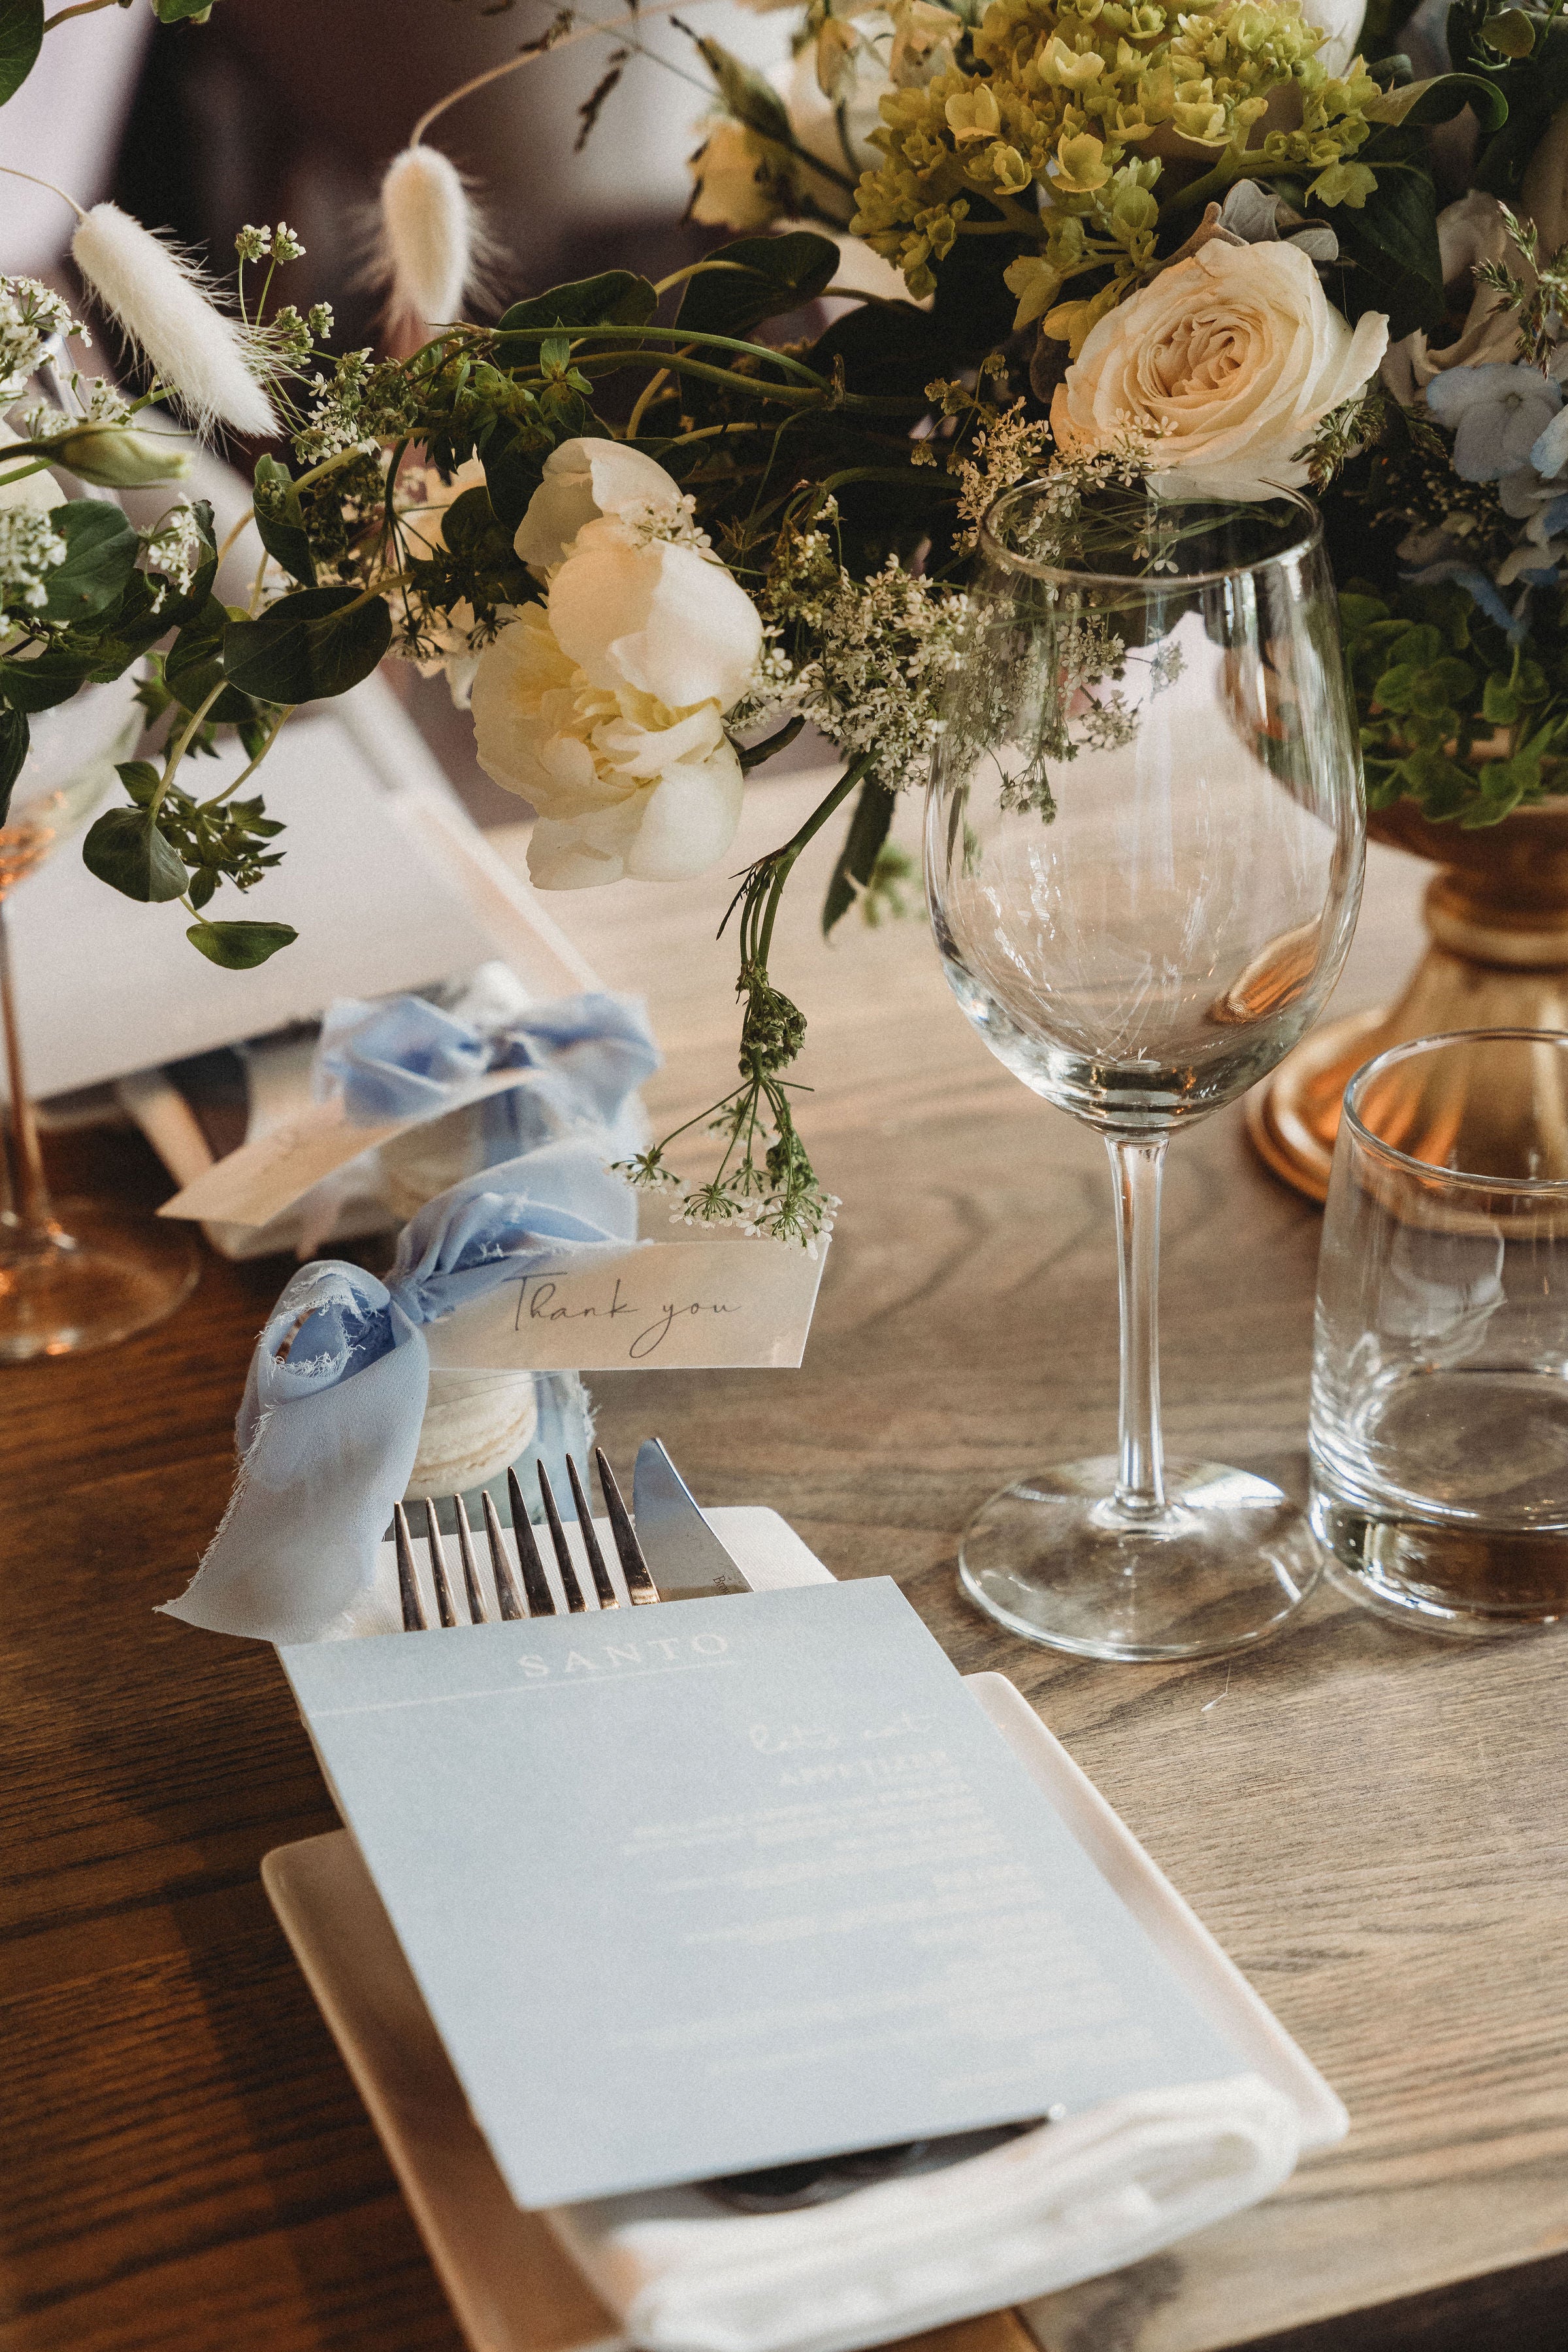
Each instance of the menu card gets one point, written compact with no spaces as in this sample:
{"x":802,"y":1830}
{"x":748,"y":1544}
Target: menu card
{"x":733,"y":1883}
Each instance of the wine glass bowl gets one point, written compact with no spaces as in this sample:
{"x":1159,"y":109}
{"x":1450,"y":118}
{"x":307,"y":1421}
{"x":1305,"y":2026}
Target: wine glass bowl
{"x":1145,"y":837}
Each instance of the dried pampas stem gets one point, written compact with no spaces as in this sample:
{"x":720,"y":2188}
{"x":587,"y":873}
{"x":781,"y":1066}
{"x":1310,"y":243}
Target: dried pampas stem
{"x":433,"y":248}
{"x":209,"y":363}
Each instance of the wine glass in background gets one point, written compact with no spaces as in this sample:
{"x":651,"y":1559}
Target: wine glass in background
{"x":89,"y":1273}
{"x":1143,"y":853}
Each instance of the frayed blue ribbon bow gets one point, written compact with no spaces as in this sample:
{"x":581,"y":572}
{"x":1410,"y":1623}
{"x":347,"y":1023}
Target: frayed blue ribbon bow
{"x":330,"y":1425}
{"x":579,"y":1058}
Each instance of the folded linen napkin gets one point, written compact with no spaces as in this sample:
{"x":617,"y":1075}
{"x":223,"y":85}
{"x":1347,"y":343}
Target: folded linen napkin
{"x":1068,"y":2201}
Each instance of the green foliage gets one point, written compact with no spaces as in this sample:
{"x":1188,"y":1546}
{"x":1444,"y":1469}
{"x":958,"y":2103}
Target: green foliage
{"x":14,"y":736}
{"x":239,"y":947}
{"x":280,"y":521}
{"x":101,"y":550}
{"x":742,"y":284}
{"x":309,"y":646}
{"x":478,"y":562}
{"x":125,"y":848}
{"x":21,"y":37}
{"x":1453,"y":717}
{"x":863,"y":844}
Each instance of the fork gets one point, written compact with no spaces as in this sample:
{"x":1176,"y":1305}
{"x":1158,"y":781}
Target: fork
{"x":535,"y":1599}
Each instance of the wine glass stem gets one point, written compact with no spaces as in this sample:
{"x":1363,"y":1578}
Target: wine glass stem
{"x":1138,"y":1167}
{"x":30,"y":1213}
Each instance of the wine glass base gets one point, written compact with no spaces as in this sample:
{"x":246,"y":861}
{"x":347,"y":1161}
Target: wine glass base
{"x":1055,"y":1559}
{"x":99,"y":1275}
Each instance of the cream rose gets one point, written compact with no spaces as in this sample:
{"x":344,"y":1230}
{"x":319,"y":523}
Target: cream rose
{"x":1228,"y":362}
{"x":605,"y":705}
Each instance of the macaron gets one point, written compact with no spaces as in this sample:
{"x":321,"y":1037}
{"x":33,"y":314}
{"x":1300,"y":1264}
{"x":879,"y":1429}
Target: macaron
{"x":475,"y":1424}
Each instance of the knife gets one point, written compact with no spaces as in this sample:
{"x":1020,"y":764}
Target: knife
{"x":685,"y":1558}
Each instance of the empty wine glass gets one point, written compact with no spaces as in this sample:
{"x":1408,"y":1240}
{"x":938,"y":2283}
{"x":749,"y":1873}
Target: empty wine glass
{"x":75,"y":1274}
{"x":1143,"y":853}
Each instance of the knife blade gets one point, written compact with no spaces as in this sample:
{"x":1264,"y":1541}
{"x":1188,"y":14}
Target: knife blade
{"x":687,"y":1560}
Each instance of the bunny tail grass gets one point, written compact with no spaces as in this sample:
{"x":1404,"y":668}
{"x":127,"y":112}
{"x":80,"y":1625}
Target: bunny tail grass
{"x":432,"y":249}
{"x":205,"y":361}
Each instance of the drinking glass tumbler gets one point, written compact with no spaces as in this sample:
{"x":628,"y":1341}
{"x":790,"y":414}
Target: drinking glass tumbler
{"x":1439,"y":1431}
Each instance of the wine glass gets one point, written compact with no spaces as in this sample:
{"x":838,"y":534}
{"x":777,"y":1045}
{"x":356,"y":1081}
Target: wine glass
{"x":1144,"y":839}
{"x":90,"y":1273}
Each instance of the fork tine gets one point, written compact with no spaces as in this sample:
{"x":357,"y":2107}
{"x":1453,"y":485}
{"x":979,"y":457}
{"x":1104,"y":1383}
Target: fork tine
{"x":563,"y":1560}
{"x":471,"y":1572}
{"x":608,"y":1597}
{"x":535,"y":1583}
{"x":438,"y":1566}
{"x":634,"y":1566}
{"x":501,"y":1566}
{"x":408,"y":1583}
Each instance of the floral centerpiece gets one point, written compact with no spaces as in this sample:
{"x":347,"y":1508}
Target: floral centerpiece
{"x":652,"y":529}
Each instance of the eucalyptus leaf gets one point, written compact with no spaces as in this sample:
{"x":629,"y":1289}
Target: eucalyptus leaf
{"x":762,"y":277}
{"x":171,"y":12}
{"x":239,"y":947}
{"x":101,"y":549}
{"x":280,"y":521}
{"x":21,"y":37}
{"x":308,"y":646}
{"x":14,"y":736}
{"x":125,"y":849}
{"x":1394,"y":241}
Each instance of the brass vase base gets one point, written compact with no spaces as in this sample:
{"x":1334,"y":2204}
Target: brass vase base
{"x":1498,"y":960}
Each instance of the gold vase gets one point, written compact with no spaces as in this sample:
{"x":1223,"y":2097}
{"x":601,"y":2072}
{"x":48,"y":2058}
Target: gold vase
{"x":1497,"y":916}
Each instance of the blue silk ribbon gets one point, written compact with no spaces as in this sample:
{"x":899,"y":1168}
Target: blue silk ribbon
{"x":329,"y":1424}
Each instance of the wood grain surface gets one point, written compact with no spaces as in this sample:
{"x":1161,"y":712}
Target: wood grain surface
{"x":1372,"y":1822}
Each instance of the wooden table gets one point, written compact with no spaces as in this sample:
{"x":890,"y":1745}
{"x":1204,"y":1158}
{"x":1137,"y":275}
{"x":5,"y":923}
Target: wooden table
{"x":1372,"y":1822}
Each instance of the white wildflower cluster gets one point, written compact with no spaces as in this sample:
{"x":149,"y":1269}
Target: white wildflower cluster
{"x":347,"y":412}
{"x":30,"y":548}
{"x":877,"y":654}
{"x":99,"y":402}
{"x":670,"y":520}
{"x":1002,"y":454}
{"x":252,"y":243}
{"x":171,"y":553}
{"x":30,"y":315}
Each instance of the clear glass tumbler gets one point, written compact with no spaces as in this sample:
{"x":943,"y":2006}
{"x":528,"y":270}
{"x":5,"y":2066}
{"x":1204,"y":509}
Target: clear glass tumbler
{"x":1144,"y":859}
{"x":1440,"y":1377}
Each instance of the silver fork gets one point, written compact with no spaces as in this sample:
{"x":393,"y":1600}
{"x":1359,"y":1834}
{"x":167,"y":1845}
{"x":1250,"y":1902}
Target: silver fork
{"x":535,"y":1599}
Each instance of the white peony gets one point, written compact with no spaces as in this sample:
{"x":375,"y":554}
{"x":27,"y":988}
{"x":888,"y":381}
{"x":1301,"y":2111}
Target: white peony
{"x":1341,"y":20}
{"x":1228,"y":362}
{"x":585,"y":479}
{"x":605,"y":706}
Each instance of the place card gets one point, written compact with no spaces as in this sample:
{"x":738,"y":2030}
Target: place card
{"x":705,"y":1304}
{"x":733,"y":1883}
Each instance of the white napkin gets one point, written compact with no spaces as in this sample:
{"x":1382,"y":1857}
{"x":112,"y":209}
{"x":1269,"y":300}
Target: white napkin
{"x":1065,"y":2202}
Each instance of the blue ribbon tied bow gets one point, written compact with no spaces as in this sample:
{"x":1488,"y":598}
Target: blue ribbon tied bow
{"x":329,"y":1424}
{"x":579,"y":1059}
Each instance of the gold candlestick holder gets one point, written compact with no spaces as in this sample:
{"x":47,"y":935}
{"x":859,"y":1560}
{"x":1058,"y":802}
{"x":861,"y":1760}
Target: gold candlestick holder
{"x":1497,"y":916}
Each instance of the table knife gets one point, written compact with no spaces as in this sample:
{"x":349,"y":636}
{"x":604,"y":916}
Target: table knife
{"x":685,"y":1558}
